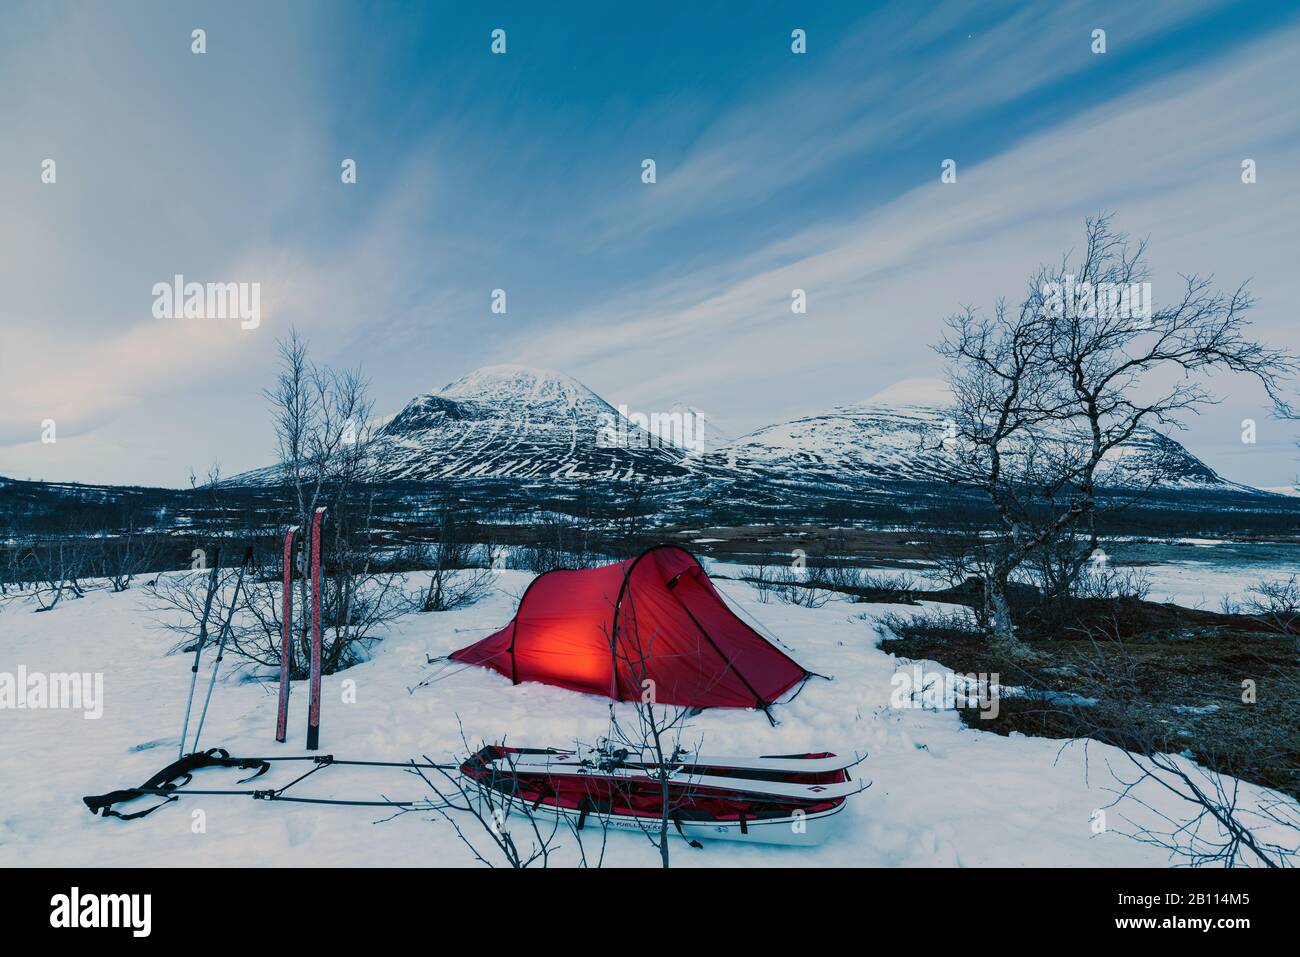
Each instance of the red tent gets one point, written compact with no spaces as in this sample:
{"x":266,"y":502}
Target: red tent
{"x":658,"y":617}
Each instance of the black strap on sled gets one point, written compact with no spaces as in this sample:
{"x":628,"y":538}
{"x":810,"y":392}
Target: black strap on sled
{"x":104,"y":802}
{"x":583,"y":807}
{"x":677,"y":823}
{"x":171,"y":778}
{"x":543,"y":792}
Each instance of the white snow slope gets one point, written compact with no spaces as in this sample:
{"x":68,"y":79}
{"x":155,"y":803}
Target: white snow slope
{"x":941,"y":794}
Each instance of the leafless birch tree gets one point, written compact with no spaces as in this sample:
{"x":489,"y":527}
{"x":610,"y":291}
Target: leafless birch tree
{"x":1046,"y":393}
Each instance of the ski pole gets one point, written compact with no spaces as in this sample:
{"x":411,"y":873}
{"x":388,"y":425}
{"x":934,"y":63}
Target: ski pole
{"x":198,"y":649}
{"x":221,"y":644}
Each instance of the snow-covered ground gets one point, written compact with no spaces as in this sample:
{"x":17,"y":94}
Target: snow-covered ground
{"x":1204,"y":584}
{"x":941,"y":794}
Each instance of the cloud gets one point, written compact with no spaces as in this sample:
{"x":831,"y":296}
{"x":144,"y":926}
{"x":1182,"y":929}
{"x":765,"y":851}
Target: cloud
{"x":226,"y":169}
{"x":1165,"y":157}
{"x":892,"y":78}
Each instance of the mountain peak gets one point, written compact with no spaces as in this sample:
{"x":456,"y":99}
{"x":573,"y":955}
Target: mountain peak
{"x":919,"y":392}
{"x":518,"y":381}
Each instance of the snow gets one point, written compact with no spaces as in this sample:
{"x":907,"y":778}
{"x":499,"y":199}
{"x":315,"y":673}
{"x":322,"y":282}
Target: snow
{"x":518,"y":385}
{"x":1203,"y":584}
{"x":941,"y":793}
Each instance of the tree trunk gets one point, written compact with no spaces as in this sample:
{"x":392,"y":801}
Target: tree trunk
{"x":997,"y":616}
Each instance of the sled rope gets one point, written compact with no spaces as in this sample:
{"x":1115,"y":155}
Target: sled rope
{"x":170,"y":783}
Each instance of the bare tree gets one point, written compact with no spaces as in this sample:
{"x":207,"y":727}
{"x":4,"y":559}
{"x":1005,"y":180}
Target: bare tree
{"x":57,"y":565}
{"x":322,"y":421}
{"x":129,"y":554}
{"x":323,"y":425}
{"x":1046,"y":392}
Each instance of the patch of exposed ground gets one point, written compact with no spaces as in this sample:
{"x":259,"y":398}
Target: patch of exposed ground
{"x":1163,"y":674}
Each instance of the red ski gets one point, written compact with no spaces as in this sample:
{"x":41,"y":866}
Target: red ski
{"x":313,"y":711}
{"x":286,"y":637}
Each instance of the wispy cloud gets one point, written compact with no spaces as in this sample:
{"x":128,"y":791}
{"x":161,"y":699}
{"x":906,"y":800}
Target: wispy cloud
{"x":782,"y":172}
{"x":890,"y":80}
{"x":1165,"y":157}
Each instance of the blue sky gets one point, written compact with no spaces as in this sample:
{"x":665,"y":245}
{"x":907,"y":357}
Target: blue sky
{"x":522,"y":172}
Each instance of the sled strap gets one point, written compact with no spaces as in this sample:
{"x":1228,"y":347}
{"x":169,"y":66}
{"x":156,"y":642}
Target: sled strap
{"x":171,"y":778}
{"x":744,"y":823}
{"x":583,"y":808}
{"x":103,"y":804}
{"x":677,"y":823}
{"x":543,"y":793}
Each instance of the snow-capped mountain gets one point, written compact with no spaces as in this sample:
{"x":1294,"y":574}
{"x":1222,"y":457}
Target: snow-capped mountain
{"x":915,"y":443}
{"x":507,"y":421}
{"x":513,"y":422}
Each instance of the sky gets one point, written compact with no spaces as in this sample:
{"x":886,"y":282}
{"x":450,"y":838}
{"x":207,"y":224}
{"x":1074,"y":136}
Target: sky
{"x":522,"y":172}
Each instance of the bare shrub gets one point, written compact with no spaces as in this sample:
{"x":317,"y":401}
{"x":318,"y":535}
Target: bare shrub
{"x":449,"y":589}
{"x":373,"y":601}
{"x":556,"y":544}
{"x":1276,"y":605}
{"x":502,"y":824}
{"x":460,"y":572}
{"x":951,"y":622}
{"x":1217,"y":828}
{"x":130,"y":554}
{"x":792,"y":588}
{"x":1105,"y":582}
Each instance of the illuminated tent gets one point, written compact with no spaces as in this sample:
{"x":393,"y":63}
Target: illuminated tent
{"x":656,"y":617}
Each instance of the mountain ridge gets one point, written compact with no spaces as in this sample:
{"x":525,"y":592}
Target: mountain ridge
{"x":516,"y":422}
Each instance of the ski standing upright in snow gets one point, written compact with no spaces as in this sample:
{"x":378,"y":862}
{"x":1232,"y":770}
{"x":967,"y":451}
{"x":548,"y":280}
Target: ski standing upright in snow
{"x":286,"y":636}
{"x":313,"y":711}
